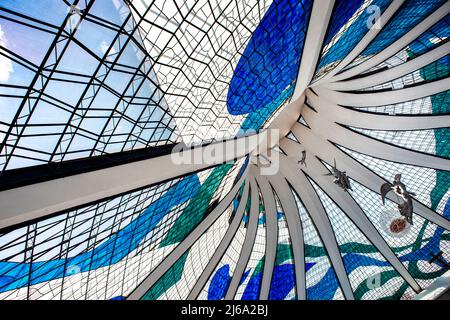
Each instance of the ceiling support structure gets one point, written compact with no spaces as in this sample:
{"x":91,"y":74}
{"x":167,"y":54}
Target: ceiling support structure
{"x":271,"y":212}
{"x":318,"y":215}
{"x":42,"y":199}
{"x":328,"y":109}
{"x":183,"y":246}
{"x":375,"y":99}
{"x":373,"y":121}
{"x":326,"y":151}
{"x":365,"y":41}
{"x":223,"y":246}
{"x":249,"y":240}
{"x":317,"y":172}
{"x":398,"y":45}
{"x":294,"y":224}
{"x":317,"y":28}
{"x":318,"y":23}
{"x":391,"y":73}
{"x":366,"y":145}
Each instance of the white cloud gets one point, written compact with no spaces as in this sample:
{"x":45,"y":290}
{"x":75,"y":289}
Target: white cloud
{"x":6,"y":67}
{"x":104,"y":46}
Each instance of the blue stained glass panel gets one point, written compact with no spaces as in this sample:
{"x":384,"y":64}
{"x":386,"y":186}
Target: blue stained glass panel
{"x":350,"y":36}
{"x":15,"y":275}
{"x":424,"y":43}
{"x":409,"y":15}
{"x":271,"y":59}
{"x":342,"y":12}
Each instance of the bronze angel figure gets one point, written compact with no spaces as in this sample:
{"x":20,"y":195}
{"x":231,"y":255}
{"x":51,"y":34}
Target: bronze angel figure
{"x":398,"y":187}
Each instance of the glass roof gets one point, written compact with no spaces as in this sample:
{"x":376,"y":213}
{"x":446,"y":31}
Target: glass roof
{"x":102,"y":83}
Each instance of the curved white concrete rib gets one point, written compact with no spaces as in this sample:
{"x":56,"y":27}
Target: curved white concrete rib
{"x":294,"y":224}
{"x":317,"y":28}
{"x":320,"y":16}
{"x":223,"y":246}
{"x":375,"y":99}
{"x":316,"y":170}
{"x":328,"y":152}
{"x":270,"y":208}
{"x":282,"y":123}
{"x":398,"y":45}
{"x":45,"y":198}
{"x":372,"y":121}
{"x":365,"y":41}
{"x":369,"y":146}
{"x":392,"y":73}
{"x":249,"y":238}
{"x":313,"y":205}
{"x":181,"y":248}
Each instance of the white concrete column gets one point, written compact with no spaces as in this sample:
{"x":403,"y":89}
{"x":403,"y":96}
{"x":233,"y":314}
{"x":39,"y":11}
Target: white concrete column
{"x":392,"y":73}
{"x":365,"y":41}
{"x":45,"y":198}
{"x":375,"y":99}
{"x":271,"y":211}
{"x":317,"y":171}
{"x":183,"y":246}
{"x":398,"y":45}
{"x":249,"y":240}
{"x":366,"y":120}
{"x":326,"y":151}
{"x":363,"y":144}
{"x":312,"y":49}
{"x":317,"y":213}
{"x":223,"y":246}
{"x":294,"y":224}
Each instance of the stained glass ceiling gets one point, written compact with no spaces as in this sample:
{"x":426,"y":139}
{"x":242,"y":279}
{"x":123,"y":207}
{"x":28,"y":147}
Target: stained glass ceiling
{"x":93,"y":90}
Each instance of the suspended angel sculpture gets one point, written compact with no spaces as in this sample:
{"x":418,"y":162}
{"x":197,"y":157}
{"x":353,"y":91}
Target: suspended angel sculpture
{"x":406,"y":207}
{"x":303,"y":159}
{"x":340,"y":178}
